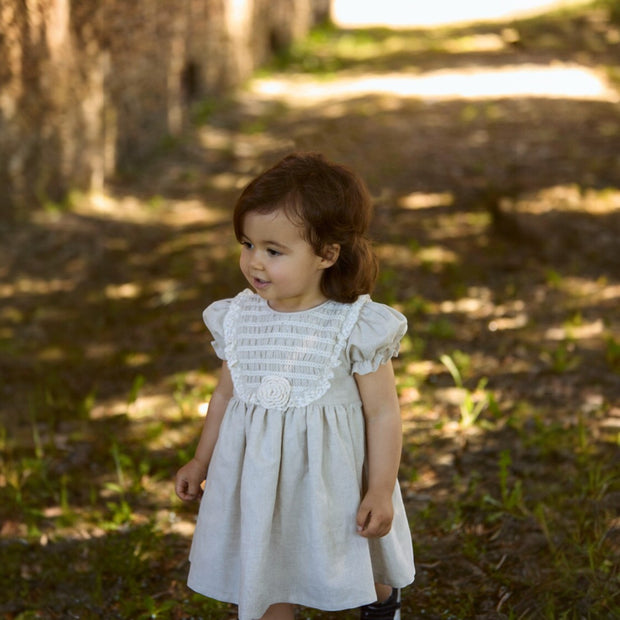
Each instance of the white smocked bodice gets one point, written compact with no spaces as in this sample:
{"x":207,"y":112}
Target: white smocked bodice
{"x":285,"y":359}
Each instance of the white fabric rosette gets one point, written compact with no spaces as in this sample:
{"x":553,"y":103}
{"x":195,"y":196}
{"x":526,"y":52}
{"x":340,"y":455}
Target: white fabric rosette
{"x":273,"y":392}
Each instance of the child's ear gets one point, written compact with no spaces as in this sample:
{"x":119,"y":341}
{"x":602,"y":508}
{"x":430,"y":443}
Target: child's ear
{"x":330,"y":255}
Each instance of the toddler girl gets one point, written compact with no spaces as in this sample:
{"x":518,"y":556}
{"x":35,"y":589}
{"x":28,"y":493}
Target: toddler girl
{"x":301,"y":444}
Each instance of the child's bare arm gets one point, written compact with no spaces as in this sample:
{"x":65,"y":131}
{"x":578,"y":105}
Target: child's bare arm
{"x":383,"y":444}
{"x":191,"y":475}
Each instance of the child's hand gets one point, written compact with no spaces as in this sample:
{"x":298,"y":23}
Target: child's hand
{"x":189,"y":480}
{"x":375,"y":514}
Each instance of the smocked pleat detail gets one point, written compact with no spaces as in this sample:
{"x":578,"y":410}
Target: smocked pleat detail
{"x":280,"y":360}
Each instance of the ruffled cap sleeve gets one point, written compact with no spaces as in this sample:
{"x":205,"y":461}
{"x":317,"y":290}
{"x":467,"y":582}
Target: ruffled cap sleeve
{"x":213,"y":316}
{"x":376,"y":337}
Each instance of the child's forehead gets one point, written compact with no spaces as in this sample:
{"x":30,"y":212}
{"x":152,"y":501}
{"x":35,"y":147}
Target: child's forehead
{"x":275,"y":222}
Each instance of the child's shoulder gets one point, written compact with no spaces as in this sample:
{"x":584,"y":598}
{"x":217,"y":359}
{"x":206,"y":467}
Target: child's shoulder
{"x":375,"y":312}
{"x":377,"y":322}
{"x":376,"y":337}
{"x":216,"y":311}
{"x":245,"y":294}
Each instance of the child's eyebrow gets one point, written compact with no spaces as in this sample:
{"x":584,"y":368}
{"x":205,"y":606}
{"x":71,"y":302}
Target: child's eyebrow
{"x":276,"y":243}
{"x":268,"y":242}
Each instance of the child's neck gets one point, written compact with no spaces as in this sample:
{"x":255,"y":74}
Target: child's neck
{"x":297,"y":306}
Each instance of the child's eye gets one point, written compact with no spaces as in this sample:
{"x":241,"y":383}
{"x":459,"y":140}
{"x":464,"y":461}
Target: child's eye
{"x":247,"y":244}
{"x":273,"y":252}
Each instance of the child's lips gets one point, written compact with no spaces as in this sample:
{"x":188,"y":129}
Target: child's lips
{"x":259,"y":283}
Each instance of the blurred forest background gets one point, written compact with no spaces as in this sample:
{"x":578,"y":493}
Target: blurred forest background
{"x":492,"y":151}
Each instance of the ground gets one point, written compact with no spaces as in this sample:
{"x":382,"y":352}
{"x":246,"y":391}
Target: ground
{"x":497,"y":225}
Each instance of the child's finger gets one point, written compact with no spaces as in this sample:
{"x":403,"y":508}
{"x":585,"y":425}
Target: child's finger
{"x":180,"y":489}
{"x":184,"y":489}
{"x":362,"y":518}
{"x":376,"y":525}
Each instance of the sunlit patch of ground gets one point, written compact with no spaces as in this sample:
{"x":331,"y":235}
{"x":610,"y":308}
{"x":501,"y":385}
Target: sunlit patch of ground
{"x":414,"y":13}
{"x":555,"y":81}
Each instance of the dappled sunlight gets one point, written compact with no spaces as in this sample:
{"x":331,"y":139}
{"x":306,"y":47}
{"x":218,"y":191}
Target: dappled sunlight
{"x":127,"y":208}
{"x":476,"y":304}
{"x":489,"y":73}
{"x":35,"y":286}
{"x":541,"y":81}
{"x":229,"y":181}
{"x":424,"y":200}
{"x":156,"y":208}
{"x":508,"y":323}
{"x":437,"y":256}
{"x":479,"y":305}
{"x":572,"y":199}
{"x":586,"y":290}
{"x":581,"y":331}
{"x":99,"y":351}
{"x":52,"y":354}
{"x":432,"y":257}
{"x":414,"y":13}
{"x":127,"y":290}
{"x":247,"y":141}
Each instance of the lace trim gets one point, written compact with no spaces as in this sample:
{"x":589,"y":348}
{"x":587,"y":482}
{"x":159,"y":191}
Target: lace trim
{"x":382,"y":356}
{"x":298,"y":368}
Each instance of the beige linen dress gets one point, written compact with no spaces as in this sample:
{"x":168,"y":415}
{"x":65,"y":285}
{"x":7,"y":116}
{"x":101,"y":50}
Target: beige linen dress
{"x":277,"y":518}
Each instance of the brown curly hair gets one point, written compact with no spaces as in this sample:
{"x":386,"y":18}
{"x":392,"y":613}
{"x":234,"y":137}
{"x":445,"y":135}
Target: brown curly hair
{"x":333,"y":206}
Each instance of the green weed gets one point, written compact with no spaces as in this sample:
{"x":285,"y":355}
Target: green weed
{"x":563,"y":357}
{"x":203,"y":111}
{"x":137,"y":385}
{"x":412,"y":346}
{"x":473,"y":402}
{"x":612,"y":353}
{"x":417,"y":306}
{"x":553,"y":278}
{"x":512,"y":496}
{"x":441,"y":328}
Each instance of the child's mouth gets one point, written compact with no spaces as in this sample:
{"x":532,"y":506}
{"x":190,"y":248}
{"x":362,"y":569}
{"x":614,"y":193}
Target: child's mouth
{"x":258,"y":283}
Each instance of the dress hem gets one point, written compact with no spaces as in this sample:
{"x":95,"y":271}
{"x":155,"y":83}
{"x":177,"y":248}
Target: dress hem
{"x":233,"y":600}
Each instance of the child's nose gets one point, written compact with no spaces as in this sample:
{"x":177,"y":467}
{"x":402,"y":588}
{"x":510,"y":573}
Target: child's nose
{"x":255,"y":261}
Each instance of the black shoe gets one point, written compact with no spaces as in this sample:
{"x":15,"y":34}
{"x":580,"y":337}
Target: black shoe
{"x":388,"y":610}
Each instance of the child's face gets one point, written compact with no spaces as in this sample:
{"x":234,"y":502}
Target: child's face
{"x":279,"y":263}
